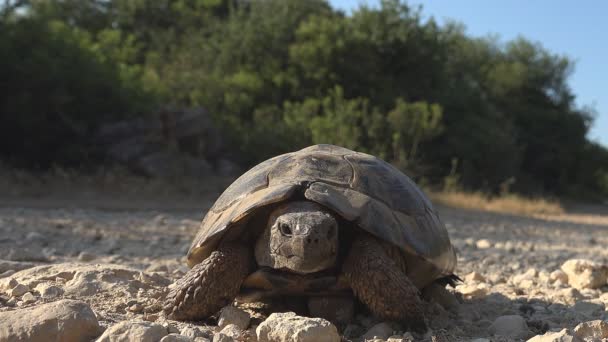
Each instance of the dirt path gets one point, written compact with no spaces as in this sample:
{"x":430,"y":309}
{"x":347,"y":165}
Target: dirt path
{"x":514,"y":258}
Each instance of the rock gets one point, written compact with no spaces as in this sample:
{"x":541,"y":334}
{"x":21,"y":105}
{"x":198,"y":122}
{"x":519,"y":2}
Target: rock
{"x":480,"y":340}
{"x":19,"y":290}
{"x":133,"y":331}
{"x":86,"y":257}
{"x":194,"y":332}
{"x":28,"y":298}
{"x":64,"y":320}
{"x":595,"y":330}
{"x":589,"y":309}
{"x":49,"y":291}
{"x":527,"y":276}
{"x":232,"y":315}
{"x":220,"y":337}
{"x":202,"y":339}
{"x":380,"y":330}
{"x":233,"y":331}
{"x":176,"y":338}
{"x":474,"y":277}
{"x":513,"y":326}
{"x":483,"y":244}
{"x":353,"y":330}
{"x":561,"y":336}
{"x":585,"y":273}
{"x":136,"y":308}
{"x":473,"y":290}
{"x":288,"y":327}
{"x":558,"y":275}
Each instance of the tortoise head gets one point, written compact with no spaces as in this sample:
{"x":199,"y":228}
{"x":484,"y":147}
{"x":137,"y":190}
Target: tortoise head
{"x":300,"y":236}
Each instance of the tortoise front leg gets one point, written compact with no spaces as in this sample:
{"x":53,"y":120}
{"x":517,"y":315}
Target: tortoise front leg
{"x":210,"y":285}
{"x":381,"y":285}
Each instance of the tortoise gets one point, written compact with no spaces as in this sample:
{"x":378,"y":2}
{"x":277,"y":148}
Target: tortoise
{"x":321,"y":222}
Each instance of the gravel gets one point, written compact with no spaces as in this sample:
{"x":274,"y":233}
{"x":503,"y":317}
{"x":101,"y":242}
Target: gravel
{"x":550,"y":273}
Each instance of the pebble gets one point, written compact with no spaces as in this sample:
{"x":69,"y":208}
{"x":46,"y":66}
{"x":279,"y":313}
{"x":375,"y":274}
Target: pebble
{"x":48,"y":291}
{"x":473,"y":290}
{"x":194,"y":332}
{"x":380,"y":330}
{"x":86,"y":257}
{"x":513,"y":326}
{"x":483,"y":244}
{"x":19,"y":290}
{"x":28,"y":298}
{"x":232,"y":315}
{"x":558,"y":275}
{"x":474,"y":277}
{"x":585,"y":273}
{"x":232,"y":330}
{"x":288,"y":326}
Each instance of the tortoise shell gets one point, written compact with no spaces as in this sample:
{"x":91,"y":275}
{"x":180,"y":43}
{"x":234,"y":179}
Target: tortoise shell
{"x":361,"y":188}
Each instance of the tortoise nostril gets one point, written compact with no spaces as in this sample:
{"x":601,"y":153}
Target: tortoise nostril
{"x":308,"y":240}
{"x":316,"y":240}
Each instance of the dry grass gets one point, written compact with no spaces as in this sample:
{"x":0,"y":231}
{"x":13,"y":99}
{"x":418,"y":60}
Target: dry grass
{"x":511,"y":204}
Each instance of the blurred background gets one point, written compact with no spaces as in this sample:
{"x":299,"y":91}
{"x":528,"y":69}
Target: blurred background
{"x":465,"y":98}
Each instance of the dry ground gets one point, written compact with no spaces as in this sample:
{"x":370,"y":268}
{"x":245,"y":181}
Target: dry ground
{"x":154,"y":235}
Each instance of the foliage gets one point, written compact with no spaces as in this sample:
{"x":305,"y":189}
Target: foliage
{"x":277,"y":75}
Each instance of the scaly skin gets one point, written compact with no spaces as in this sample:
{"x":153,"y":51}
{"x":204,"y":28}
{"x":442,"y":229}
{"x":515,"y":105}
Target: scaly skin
{"x":381,"y":285}
{"x":210,"y":285}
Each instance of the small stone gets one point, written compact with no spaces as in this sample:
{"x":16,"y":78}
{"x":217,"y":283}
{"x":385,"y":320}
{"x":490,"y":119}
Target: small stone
{"x":19,"y":290}
{"x":558,"y":275}
{"x":380,"y":330}
{"x":49,"y":291}
{"x":585,"y":273}
{"x":513,"y":326}
{"x":483,"y":244}
{"x":473,"y":290}
{"x":232,"y":330}
{"x":474,"y":277}
{"x":150,"y":317}
{"x":86,"y":257}
{"x":233,"y":315}
{"x":201,"y":339}
{"x":561,"y":336}
{"x":28,"y":298}
{"x":172,"y":329}
{"x":528,"y":275}
{"x":136,"y":308}
{"x":176,"y":338}
{"x":11,"y":283}
{"x":592,"y":330}
{"x":290,"y":327}
{"x":589,"y":309}
{"x":134,"y":331}
{"x":194,"y":332}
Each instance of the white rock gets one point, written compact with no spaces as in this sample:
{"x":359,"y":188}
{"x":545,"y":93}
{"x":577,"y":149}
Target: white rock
{"x":595,"y":330}
{"x":558,"y":275}
{"x":133,"y":331}
{"x":561,"y":336}
{"x":28,"y":298}
{"x":288,"y":327}
{"x":194,"y":332}
{"x":19,"y":290}
{"x":49,"y":291}
{"x":65,"y":320}
{"x":585,"y":273}
{"x":483,"y":244}
{"x":220,"y":337}
{"x":176,"y":338}
{"x":233,"y":315}
{"x":511,"y":326}
{"x":473,"y":290}
{"x":528,"y":275}
{"x":380,"y":330}
{"x":232,"y":330}
{"x":474,"y":277}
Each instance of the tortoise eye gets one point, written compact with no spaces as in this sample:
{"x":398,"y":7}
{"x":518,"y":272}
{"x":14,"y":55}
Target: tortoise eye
{"x":285,"y":229}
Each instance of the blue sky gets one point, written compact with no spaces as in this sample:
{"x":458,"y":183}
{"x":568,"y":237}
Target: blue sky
{"x":577,"y":29}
